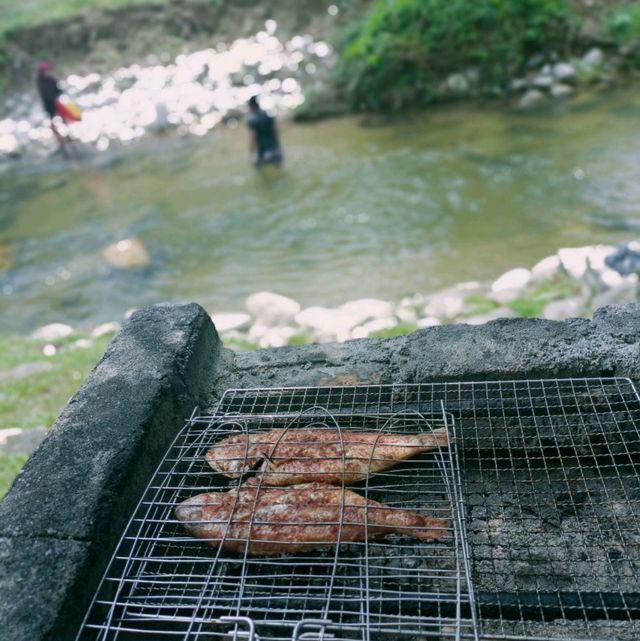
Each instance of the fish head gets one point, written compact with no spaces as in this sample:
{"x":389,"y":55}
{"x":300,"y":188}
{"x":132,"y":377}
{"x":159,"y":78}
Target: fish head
{"x":234,"y":457}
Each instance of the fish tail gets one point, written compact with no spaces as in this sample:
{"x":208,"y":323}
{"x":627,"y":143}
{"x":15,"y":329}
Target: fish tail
{"x":435,"y":438}
{"x":435,"y":530}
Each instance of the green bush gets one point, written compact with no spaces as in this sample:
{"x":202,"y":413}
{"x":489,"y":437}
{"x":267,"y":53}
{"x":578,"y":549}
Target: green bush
{"x":624,"y":23}
{"x":400,"y":51}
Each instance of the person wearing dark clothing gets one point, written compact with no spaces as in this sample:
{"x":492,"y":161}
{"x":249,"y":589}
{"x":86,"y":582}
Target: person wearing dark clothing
{"x":264,"y":143}
{"x":49,"y":93}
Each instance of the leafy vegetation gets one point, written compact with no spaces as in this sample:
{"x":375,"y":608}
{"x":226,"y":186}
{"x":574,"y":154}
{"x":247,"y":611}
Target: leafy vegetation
{"x":400,"y":51}
{"x":537,"y":296}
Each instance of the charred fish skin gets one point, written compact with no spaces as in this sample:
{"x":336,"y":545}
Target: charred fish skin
{"x":272,"y":520}
{"x":330,"y":455}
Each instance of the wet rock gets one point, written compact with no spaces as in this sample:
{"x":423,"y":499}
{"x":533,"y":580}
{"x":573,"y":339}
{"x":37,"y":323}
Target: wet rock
{"x":531,"y":99}
{"x":53,"y":332}
{"x":272,"y":309}
{"x":126,"y":254}
{"x":561,"y":91}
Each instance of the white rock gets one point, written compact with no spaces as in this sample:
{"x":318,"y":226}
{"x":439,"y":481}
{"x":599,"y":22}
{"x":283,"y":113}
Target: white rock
{"x":257,"y":331}
{"x":593,"y":58}
{"x":105,"y":328}
{"x":563,"y":309}
{"x":446,"y":305}
{"x":560,"y":91}
{"x":429,"y":321}
{"x":494,"y":314}
{"x":82,"y":343}
{"x":504,"y":296}
{"x":126,"y":254}
{"x":574,"y":260}
{"x":532,"y":98}
{"x":545,"y":269}
{"x":377,"y":325}
{"x":542,"y":81}
{"x":406,"y":314}
{"x":611,"y":278}
{"x":53,"y":332}
{"x":272,"y":309}
{"x":513,"y":279}
{"x":564,"y":72}
{"x":228,"y":322}
{"x":276,"y":337}
{"x":458,"y":83}
{"x":331,"y":324}
{"x":519,"y":84}
{"x":366,"y":309}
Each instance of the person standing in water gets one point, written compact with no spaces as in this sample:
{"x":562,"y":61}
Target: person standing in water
{"x":264,"y":145}
{"x":50,"y":92}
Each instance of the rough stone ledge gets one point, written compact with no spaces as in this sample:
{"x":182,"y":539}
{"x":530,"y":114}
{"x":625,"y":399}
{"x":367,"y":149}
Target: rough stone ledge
{"x":608,"y":345}
{"x":76,"y":492}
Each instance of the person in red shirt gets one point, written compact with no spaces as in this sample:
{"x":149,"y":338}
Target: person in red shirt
{"x":50,"y":93}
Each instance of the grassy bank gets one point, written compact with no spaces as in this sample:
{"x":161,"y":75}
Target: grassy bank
{"x":37,"y":379}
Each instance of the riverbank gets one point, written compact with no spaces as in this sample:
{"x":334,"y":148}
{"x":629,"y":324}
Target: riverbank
{"x":40,"y":372}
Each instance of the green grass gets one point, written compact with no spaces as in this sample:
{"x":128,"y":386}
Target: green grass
{"x":28,"y":13}
{"x":477,"y":305}
{"x":535,"y":298}
{"x":37,"y":398}
{"x":399,"y":330}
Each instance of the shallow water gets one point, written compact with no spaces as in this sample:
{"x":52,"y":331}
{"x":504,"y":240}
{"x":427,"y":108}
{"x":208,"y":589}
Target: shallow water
{"x":361,"y":209}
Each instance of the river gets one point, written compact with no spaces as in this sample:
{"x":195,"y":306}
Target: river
{"x":363,"y":208}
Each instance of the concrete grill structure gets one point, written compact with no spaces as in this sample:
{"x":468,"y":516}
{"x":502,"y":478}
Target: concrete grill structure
{"x":66,"y":511}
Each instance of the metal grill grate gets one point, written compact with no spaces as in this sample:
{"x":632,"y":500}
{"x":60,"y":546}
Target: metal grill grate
{"x":540,"y":485}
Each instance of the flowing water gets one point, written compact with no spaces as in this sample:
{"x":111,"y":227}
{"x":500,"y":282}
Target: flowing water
{"x":360,"y":209}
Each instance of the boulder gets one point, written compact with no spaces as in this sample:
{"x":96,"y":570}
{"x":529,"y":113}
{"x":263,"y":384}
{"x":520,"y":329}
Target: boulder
{"x":531,"y":99}
{"x":545,"y":269}
{"x":561,"y":91}
{"x":542,"y":81}
{"x":272,"y":309}
{"x":564,"y":72}
{"x":126,"y":254}
{"x":513,"y":279}
{"x":593,"y":58}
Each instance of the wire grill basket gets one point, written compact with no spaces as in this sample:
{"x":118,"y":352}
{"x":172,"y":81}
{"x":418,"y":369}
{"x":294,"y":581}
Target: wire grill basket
{"x":539,"y":484}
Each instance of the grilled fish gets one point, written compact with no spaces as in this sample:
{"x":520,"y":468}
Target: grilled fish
{"x":326,"y":455}
{"x":273,"y":520}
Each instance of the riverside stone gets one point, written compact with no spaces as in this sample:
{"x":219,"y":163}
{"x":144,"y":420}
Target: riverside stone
{"x":566,"y":308}
{"x":545,"y":269}
{"x":229,"y":322}
{"x":593,"y":58}
{"x":126,"y":254}
{"x":104,"y":329}
{"x":52,"y":332}
{"x":575,"y":260}
{"x":564,"y":72}
{"x":560,"y":91}
{"x":380,"y":324}
{"x":272,"y":309}
{"x":494,"y":314}
{"x":531,"y":99}
{"x":365,"y":309}
{"x":444,"y":305}
{"x":542,"y":81}
{"x":513,"y":279}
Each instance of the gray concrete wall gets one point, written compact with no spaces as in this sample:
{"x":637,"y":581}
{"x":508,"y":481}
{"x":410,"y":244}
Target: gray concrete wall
{"x":66,"y":510}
